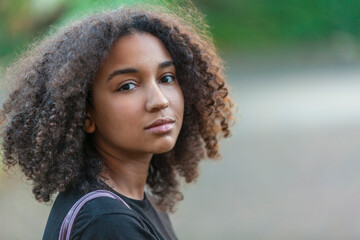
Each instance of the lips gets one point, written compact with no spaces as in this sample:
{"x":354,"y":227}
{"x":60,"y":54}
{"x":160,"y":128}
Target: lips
{"x":161,"y":125}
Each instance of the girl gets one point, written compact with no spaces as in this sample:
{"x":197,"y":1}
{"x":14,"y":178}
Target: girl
{"x":127,"y":101}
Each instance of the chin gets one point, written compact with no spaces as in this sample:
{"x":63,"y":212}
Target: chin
{"x":163,"y":146}
{"x":163,"y":150}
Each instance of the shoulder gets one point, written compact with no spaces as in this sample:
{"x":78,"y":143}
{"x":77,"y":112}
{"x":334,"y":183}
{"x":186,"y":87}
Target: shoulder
{"x":116,"y":226}
{"x":107,"y":218}
{"x":104,"y":205}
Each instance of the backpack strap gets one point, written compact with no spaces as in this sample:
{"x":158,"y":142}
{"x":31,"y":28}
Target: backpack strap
{"x":68,"y":223}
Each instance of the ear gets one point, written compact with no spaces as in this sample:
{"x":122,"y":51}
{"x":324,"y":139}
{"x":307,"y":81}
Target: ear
{"x":89,"y":123}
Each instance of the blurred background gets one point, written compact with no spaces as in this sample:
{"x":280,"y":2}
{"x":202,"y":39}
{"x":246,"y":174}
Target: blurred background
{"x":291,"y":169}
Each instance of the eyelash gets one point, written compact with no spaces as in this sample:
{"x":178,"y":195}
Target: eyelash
{"x":173,"y":78}
{"x":125,"y":84}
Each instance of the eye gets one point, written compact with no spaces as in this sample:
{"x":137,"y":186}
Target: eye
{"x":126,"y":87}
{"x":167,"y":79}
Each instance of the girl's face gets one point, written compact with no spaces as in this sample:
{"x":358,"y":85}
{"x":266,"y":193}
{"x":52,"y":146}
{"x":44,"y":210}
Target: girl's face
{"x":137,"y":105}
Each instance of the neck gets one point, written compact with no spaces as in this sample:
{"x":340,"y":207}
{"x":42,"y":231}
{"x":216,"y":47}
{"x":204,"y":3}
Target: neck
{"x":126,"y":173}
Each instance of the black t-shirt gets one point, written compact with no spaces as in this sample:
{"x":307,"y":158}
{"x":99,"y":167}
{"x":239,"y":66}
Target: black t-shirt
{"x":109,"y":219}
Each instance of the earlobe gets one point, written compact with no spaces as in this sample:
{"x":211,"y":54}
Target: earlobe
{"x":89,"y":124}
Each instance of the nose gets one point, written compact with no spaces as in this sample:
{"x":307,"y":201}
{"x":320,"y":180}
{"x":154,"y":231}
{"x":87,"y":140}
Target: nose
{"x":156,"y":99}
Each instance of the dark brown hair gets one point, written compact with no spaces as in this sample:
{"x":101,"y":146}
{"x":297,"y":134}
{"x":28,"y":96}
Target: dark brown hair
{"x":44,"y":116}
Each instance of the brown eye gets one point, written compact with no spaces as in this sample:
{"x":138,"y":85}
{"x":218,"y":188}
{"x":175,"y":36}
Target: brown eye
{"x":126,"y":87}
{"x":167,"y":79}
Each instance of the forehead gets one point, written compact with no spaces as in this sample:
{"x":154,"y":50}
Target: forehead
{"x":137,"y":48}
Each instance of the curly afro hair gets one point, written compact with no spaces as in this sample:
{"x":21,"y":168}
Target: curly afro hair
{"x":43,"y":117}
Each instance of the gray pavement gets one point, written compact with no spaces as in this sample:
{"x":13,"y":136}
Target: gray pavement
{"x":290,"y":171}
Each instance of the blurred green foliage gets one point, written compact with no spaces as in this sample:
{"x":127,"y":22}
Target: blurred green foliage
{"x":234,"y":23}
{"x":22,"y":21}
{"x":254,"y":23}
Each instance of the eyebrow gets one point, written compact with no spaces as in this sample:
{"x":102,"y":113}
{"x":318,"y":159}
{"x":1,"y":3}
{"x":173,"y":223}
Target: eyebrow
{"x":134,"y":70}
{"x":166,"y":64}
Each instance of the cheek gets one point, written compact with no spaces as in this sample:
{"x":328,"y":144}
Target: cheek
{"x":176,"y":99}
{"x":119,"y":113}
{"x":180,"y":100}
{"x":127,"y":111}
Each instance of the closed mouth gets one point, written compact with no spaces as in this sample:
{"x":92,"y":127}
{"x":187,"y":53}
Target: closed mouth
{"x":159,"y":122}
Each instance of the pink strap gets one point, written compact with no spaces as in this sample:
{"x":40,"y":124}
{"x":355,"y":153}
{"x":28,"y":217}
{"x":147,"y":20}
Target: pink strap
{"x":67,"y":224}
